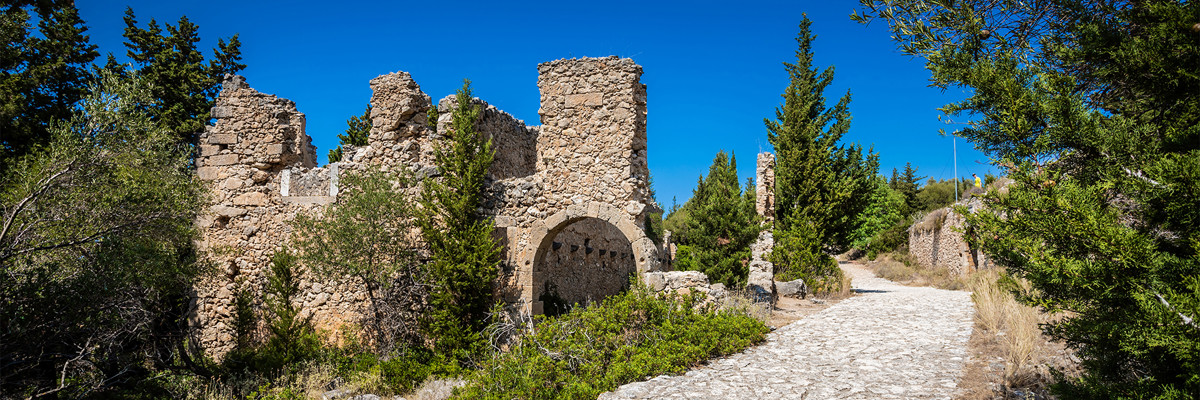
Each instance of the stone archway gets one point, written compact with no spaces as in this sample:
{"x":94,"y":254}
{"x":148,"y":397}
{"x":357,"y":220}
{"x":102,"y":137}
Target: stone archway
{"x":644,"y":252}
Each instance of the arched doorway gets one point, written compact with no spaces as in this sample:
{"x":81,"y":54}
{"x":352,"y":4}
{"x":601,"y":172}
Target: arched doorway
{"x":557,"y":252}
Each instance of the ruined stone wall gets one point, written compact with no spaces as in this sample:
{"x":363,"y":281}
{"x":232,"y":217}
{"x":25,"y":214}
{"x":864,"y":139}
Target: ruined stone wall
{"x":593,"y":136}
{"x":515,"y":143}
{"x":588,"y":261}
{"x":938,"y":241}
{"x":257,"y":138}
{"x":580,"y":179}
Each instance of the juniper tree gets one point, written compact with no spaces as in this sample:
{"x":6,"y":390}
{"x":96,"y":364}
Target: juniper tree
{"x":464,"y":260}
{"x":820,"y":185}
{"x":357,"y":129}
{"x":1094,"y":110}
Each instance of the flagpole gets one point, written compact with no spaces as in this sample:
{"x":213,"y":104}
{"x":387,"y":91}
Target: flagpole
{"x":954,"y":143}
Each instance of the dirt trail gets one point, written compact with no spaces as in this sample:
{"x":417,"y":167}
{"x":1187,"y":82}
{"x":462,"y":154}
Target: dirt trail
{"x":888,"y":342}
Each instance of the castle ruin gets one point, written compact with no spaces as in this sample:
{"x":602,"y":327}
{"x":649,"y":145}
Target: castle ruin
{"x":570,"y":198}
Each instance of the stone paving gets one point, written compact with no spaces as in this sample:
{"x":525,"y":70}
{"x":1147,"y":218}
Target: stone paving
{"x":888,"y":342}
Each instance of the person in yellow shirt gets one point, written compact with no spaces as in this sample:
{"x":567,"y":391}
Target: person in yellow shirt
{"x":978,"y":184}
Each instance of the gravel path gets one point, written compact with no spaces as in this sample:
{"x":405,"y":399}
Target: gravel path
{"x":889,"y":342}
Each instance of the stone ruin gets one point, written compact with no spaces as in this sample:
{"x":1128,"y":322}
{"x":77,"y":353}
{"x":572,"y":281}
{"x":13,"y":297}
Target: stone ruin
{"x":570,"y":198}
{"x":939,"y":240}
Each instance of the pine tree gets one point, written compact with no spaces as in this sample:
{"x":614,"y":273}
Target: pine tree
{"x":723,"y":224}
{"x":908,"y":184}
{"x":1094,"y":110}
{"x":357,"y":129}
{"x":43,"y":76}
{"x":820,"y":186}
{"x":185,"y":87}
{"x":464,"y":255}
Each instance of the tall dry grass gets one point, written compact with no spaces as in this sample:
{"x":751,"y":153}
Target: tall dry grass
{"x":1014,"y":325}
{"x":1011,"y":333}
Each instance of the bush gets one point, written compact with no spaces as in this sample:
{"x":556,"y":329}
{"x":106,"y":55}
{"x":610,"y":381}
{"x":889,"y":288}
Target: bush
{"x":624,"y":339}
{"x":292,"y":338}
{"x":798,"y":255}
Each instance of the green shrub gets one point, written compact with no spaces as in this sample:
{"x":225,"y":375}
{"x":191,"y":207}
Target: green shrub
{"x":797,"y":255}
{"x":626,"y":338}
{"x":292,"y":338}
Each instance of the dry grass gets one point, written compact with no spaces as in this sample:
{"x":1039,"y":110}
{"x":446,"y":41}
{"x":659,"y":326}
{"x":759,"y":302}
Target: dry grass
{"x":902,"y":268}
{"x":1011,"y":358}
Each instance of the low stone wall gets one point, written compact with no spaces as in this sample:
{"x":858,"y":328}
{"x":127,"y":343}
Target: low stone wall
{"x":939,"y":240}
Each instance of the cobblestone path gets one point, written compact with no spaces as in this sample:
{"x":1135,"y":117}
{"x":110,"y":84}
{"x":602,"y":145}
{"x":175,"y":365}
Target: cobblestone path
{"x":888,"y":342}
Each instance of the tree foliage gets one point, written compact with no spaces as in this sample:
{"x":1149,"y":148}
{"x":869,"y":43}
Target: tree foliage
{"x":96,"y":263}
{"x":184,"y":86}
{"x":357,"y":129}
{"x":885,"y":209}
{"x":722,"y":226}
{"x":1093,"y":108}
{"x":368,"y":236}
{"x":43,"y":75}
{"x":907,"y":184}
{"x":464,"y":254}
{"x":821,"y":186}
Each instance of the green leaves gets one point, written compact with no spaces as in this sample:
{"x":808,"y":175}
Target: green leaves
{"x":183,"y":84}
{"x":624,"y":339}
{"x":357,"y":129}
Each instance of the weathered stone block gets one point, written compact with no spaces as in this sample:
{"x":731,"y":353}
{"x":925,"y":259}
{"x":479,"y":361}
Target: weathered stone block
{"x":275,"y":149}
{"x":795,"y":288}
{"x":251,"y":199}
{"x":209,"y":150}
{"x":222,"y":159}
{"x":585,"y":99}
{"x":222,"y":138}
{"x":207,"y":173}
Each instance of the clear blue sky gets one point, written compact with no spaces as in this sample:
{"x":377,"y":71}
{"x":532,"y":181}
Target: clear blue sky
{"x":713,"y":69}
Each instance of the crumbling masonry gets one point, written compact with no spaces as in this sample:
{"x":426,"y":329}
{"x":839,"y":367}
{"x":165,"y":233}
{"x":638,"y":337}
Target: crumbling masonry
{"x":569,"y":198}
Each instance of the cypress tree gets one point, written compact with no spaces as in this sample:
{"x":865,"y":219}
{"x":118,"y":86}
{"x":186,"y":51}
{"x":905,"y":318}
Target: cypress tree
{"x":820,"y":186}
{"x":184,"y":86}
{"x":723,"y":224}
{"x":464,"y":255}
{"x":42,"y":77}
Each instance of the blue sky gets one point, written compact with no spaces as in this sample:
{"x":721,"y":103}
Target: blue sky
{"x":713,"y":69}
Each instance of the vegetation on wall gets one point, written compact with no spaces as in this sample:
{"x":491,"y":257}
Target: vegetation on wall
{"x":1105,"y":159}
{"x":366,"y":238}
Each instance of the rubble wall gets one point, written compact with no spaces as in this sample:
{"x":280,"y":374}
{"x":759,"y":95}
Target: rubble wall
{"x":580,"y":177}
{"x":939,"y":240}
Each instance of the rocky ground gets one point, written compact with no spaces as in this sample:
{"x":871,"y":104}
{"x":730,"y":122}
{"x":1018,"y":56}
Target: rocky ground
{"x":889,"y":342}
